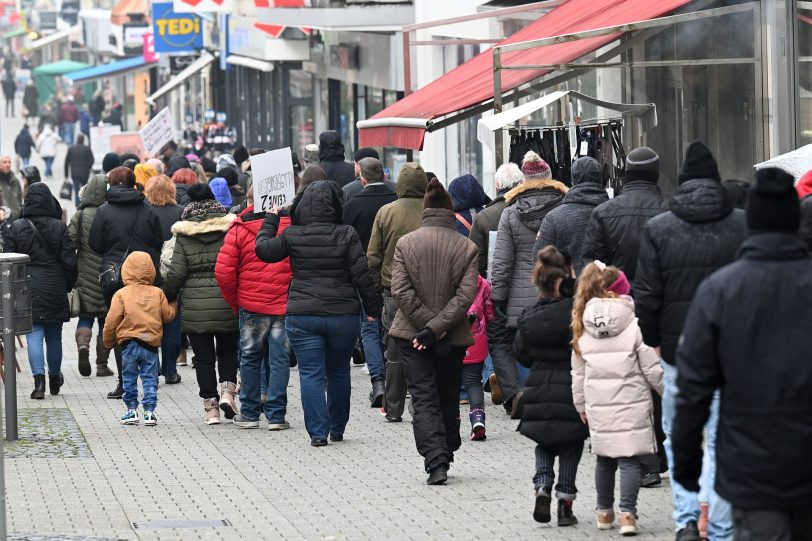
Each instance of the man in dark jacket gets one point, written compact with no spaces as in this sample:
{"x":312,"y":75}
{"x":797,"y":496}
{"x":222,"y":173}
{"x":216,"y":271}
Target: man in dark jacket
{"x":507,"y":177}
{"x":678,"y":250}
{"x":354,"y":188}
{"x":360,"y":213}
{"x":78,"y":165}
{"x":747,"y":334}
{"x":331,"y":158}
{"x":613,"y":232}
{"x":23,"y":144}
{"x":9,"y":89}
{"x":125,"y":224}
{"x":564,"y":227}
{"x":11,"y":191}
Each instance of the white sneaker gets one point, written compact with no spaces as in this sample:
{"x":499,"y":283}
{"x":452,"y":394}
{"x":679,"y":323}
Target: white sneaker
{"x":273,"y":427}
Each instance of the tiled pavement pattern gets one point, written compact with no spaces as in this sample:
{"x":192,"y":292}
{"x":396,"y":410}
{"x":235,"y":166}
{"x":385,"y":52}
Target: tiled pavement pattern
{"x":260,"y":485}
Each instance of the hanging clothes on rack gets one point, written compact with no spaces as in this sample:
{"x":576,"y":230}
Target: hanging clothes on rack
{"x":551,"y":143}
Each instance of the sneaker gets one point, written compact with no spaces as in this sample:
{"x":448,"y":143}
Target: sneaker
{"x":242,"y":422}
{"x":477,"y":418}
{"x":628,"y":524}
{"x":650,"y":480}
{"x":541,"y":512}
{"x":689,"y":533}
{"x":150,"y":419}
{"x":318,"y":442}
{"x":606,"y":518}
{"x":336,"y":437}
{"x":275,"y":426}
{"x":129,"y":418}
{"x":496,"y":390}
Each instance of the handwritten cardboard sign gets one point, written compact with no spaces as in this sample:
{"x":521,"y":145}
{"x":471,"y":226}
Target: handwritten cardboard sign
{"x":273,"y":179}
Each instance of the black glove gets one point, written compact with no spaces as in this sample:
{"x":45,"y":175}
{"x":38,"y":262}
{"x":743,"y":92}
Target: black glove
{"x":501,"y":308}
{"x":426,"y":337}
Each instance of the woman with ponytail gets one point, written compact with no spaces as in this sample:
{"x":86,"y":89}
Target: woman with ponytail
{"x":613,"y":373}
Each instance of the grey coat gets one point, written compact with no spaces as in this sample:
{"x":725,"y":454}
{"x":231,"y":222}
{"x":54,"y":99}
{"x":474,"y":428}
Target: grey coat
{"x":527,"y":205}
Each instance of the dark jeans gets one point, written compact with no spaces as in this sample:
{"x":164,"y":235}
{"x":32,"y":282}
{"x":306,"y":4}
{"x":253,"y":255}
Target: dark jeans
{"x":9,"y":105}
{"x":569,"y":456}
{"x":210,"y":349}
{"x":394,"y":400}
{"x":434,"y":382}
{"x":78,"y":183}
{"x":472,"y":384}
{"x":500,"y":339}
{"x":656,"y":463}
{"x":323,"y":347}
{"x":772,"y":525}
{"x":170,"y":346}
{"x":605,"y":469}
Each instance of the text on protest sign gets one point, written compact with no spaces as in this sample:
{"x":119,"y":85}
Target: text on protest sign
{"x":158,"y":132}
{"x":273,"y":179}
{"x":100,"y":143}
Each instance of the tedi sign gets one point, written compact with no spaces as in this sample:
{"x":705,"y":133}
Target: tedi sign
{"x":175,"y":32}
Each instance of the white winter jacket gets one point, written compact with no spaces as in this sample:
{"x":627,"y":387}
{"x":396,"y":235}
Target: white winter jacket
{"x":612,"y":380}
{"x":46,"y":142}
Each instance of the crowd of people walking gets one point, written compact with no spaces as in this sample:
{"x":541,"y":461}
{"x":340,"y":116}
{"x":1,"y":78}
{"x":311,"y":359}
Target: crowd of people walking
{"x":643,"y":324}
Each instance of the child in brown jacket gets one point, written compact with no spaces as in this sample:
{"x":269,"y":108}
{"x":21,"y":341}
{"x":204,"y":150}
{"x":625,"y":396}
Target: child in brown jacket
{"x":135,"y":322}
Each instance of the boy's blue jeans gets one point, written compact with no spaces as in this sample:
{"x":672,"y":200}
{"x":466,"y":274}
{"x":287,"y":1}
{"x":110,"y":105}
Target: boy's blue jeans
{"x":51,"y":333}
{"x":136,"y":360}
{"x":258,"y":331}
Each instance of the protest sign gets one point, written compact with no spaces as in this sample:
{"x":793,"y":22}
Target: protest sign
{"x":273,"y":179}
{"x":100,"y":142}
{"x":128,"y":143}
{"x":158,"y":132}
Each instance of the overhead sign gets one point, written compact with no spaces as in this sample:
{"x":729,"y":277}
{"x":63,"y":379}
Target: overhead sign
{"x":158,"y":132}
{"x":206,"y":6}
{"x":100,"y":143}
{"x":273,"y":179}
{"x":175,"y":32}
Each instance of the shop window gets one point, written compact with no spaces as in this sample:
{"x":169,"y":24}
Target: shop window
{"x":805,"y":71}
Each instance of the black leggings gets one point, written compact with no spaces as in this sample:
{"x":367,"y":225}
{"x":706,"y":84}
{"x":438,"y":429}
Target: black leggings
{"x":210,"y":349}
{"x":472,"y":383}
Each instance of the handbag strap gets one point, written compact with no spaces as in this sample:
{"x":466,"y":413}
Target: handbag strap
{"x":463,"y":221}
{"x":132,"y":236}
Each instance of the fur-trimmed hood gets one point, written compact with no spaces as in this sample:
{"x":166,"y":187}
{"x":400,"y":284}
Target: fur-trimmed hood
{"x":530,"y":185}
{"x":209,"y":223}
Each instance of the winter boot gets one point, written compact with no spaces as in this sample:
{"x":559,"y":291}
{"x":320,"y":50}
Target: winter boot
{"x":102,"y":355}
{"x":477,"y":418}
{"x":376,"y":394}
{"x":565,"y":516}
{"x":55,"y":383}
{"x":227,"y":404}
{"x":83,"y":336}
{"x":182,"y":357}
{"x":541,"y":511}
{"x":212,"y":411}
{"x":39,"y":388}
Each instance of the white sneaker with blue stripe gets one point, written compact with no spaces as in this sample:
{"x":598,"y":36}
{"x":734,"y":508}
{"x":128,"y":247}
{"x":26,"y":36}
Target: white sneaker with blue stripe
{"x":130,"y":418}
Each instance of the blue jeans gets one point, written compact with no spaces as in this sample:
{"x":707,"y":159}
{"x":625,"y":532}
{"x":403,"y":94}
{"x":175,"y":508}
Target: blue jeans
{"x":49,"y":162}
{"x":258,"y":331}
{"x":686,"y":503}
{"x":26,"y":161}
{"x":49,"y":332}
{"x":373,"y":348}
{"x":170,"y":347}
{"x":323,"y":346}
{"x":136,"y":360}
{"x":87,"y":323}
{"x":67,"y":132}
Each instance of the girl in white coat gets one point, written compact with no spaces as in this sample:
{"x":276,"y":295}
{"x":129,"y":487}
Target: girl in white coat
{"x":46,"y":147}
{"x":613,"y":373}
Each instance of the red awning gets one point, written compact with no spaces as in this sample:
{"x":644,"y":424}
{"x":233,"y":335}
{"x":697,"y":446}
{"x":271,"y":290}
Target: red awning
{"x":403,"y":124}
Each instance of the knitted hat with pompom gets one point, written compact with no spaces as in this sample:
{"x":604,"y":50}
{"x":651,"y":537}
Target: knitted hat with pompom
{"x":534,"y":167}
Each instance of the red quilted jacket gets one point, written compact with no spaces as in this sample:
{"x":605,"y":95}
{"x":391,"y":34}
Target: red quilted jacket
{"x":247,"y":282}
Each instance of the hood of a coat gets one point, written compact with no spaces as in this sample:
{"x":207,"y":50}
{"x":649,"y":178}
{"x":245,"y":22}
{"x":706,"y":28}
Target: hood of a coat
{"x":534,"y":185}
{"x":533,"y":199}
{"x":95,"y":192}
{"x":586,"y":169}
{"x":604,"y":318}
{"x":138,"y":268}
{"x":40,"y":202}
{"x":412,"y":181}
{"x":252,"y":221}
{"x":175,"y":164}
{"x":330,"y":147}
{"x":701,"y":200}
{"x":320,"y":203}
{"x":213,"y":225}
{"x":773,"y":247}
{"x":467,"y":193}
{"x":122,"y":195}
{"x":586,"y":193}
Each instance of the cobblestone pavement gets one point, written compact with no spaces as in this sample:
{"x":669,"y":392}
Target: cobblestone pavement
{"x":78,"y":474}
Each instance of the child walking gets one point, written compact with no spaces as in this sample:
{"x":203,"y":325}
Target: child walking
{"x":479,"y":315}
{"x":549,"y":418}
{"x":135,"y":322}
{"x":613,"y":373}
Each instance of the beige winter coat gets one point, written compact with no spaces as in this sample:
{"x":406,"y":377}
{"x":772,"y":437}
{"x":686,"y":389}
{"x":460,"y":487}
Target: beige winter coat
{"x":612,"y":380}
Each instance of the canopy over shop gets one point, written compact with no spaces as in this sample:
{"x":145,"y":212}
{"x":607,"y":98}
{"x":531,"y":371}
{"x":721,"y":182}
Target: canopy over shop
{"x":47,"y":76}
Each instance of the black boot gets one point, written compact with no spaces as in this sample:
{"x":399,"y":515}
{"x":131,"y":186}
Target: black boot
{"x":39,"y":388}
{"x":438,"y":475}
{"x":55,"y":382}
{"x":541,"y":511}
{"x":116,"y":393}
{"x":565,"y":516}
{"x":376,"y":395}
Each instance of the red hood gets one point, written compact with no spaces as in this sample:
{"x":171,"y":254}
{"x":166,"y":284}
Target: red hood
{"x":255,"y":222}
{"x":804,"y":185}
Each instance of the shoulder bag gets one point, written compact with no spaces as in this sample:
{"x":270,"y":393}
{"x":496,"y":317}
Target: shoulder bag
{"x":110,"y":271}
{"x":74,"y":298}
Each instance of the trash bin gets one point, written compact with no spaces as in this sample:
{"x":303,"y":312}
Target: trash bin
{"x":15,"y":281}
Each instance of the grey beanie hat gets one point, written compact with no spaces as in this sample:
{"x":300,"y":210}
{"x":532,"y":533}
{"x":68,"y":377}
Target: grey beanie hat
{"x":311,"y":153}
{"x":643,"y":164}
{"x":586,"y":169}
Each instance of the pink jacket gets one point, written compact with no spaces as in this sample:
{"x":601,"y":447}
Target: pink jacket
{"x":482,"y":308}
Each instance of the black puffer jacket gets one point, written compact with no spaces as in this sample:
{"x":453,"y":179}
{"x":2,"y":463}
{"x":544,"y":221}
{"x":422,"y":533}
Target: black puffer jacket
{"x":115,"y":222}
{"x":613,"y":233}
{"x":328,"y":264}
{"x":52,"y":268}
{"x":679,"y":249}
{"x":168,"y":215}
{"x":806,"y":220}
{"x":543,"y":344}
{"x":748,"y":333}
{"x":331,"y":159}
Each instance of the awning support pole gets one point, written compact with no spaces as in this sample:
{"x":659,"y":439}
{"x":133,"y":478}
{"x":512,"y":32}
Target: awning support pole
{"x":497,"y":106}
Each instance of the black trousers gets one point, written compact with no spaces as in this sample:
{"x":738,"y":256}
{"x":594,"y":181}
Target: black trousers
{"x":210,"y":349}
{"x":434,"y":382}
{"x":772,"y":525}
{"x":394,"y":400}
{"x":656,"y":463}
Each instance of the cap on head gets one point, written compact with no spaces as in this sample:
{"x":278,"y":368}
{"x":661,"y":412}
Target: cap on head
{"x":643,"y":163}
{"x":772,"y":202}
{"x":533,"y":167}
{"x":311,"y":153}
{"x":366,"y":152}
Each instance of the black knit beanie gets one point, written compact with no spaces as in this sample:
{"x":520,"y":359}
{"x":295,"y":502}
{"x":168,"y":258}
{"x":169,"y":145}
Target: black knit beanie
{"x":772,"y":202}
{"x":111,"y":161}
{"x":437,"y":197}
{"x":699,"y":163}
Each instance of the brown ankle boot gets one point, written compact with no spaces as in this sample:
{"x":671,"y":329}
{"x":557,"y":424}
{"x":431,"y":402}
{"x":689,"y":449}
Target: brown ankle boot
{"x":83,"y":336}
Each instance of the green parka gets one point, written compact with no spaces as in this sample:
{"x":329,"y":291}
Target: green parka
{"x":197,"y":243}
{"x":89,"y":261}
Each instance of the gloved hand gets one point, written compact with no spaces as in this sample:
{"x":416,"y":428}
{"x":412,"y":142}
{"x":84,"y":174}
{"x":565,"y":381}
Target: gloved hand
{"x":501,"y":308}
{"x":425,"y":337}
